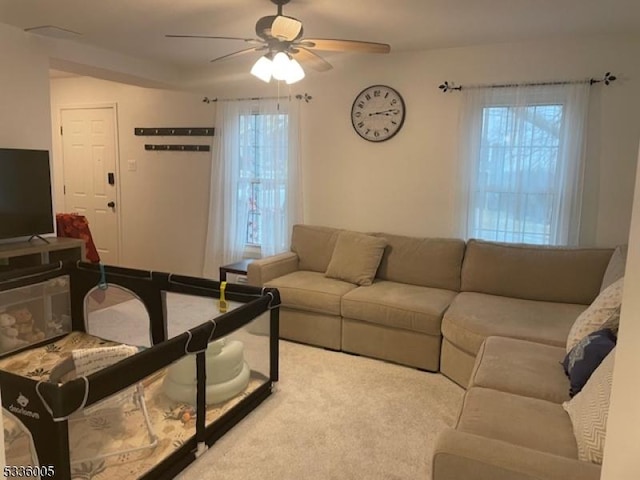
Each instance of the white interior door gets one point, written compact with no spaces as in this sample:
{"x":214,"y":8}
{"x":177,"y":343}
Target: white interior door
{"x":89,"y":155}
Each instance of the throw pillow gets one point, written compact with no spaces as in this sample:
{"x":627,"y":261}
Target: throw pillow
{"x":616,"y":267}
{"x":589,"y":411}
{"x":356,"y":258}
{"x":586,"y":356}
{"x":604,"y":312}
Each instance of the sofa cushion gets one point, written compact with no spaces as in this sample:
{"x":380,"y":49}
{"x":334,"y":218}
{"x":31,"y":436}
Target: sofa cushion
{"x":586,"y":356}
{"x":398,"y":305}
{"x":524,"y":421}
{"x":472,"y":317}
{"x":311,"y":291}
{"x":356,"y":257}
{"x":551,"y":274}
{"x":604,"y":312}
{"x":314,"y":246}
{"x":589,"y":411}
{"x":429,"y":262}
{"x":464,"y":456}
{"x":616,"y":267}
{"x":521,"y":367}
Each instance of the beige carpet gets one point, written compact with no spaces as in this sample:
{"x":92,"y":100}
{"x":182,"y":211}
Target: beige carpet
{"x":336,"y":416}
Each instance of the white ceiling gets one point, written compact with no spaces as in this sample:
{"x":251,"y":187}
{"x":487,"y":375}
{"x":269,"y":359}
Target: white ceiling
{"x":137,"y":27}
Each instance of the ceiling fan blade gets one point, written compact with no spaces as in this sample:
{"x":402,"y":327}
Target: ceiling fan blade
{"x":338,"y":45}
{"x":286,"y":28}
{"x":239,"y":53}
{"x":248,"y":40}
{"x":310,"y":59}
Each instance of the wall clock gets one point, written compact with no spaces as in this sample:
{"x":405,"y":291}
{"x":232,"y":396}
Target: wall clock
{"x":377,"y":113}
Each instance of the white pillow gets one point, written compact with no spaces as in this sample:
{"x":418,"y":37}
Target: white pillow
{"x":604,"y":312}
{"x":589,"y":411}
{"x":615,"y":269}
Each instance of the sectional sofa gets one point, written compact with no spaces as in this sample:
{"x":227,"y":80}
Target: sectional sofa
{"x":492,"y":317}
{"x":433,"y":301}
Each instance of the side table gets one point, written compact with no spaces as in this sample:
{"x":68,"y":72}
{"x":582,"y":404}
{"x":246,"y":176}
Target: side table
{"x":238,"y":268}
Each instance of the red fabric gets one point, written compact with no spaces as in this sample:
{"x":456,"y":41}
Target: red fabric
{"x":72,"y":225}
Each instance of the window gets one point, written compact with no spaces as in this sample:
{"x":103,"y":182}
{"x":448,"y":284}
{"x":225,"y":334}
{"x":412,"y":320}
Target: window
{"x":256,"y":182}
{"x":263,"y":175}
{"x":523,"y":149}
{"x":516,"y":188}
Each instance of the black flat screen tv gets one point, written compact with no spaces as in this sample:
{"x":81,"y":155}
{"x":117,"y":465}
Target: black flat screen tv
{"x":25,"y":193}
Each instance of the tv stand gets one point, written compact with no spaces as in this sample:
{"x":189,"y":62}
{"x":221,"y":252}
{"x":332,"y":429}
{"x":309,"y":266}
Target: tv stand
{"x":41,"y":238}
{"x":27,"y":254}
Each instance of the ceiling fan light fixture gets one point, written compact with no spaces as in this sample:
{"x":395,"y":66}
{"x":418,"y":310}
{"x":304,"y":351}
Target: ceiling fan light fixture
{"x":295,"y":73}
{"x":281,"y":67}
{"x":263,"y":69}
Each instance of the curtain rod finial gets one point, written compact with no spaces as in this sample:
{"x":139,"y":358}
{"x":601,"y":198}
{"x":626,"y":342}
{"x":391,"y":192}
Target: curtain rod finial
{"x":446,"y":86}
{"x":607,"y":79}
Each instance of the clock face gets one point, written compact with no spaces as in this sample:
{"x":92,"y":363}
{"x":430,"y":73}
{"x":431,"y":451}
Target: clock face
{"x":377,"y":113}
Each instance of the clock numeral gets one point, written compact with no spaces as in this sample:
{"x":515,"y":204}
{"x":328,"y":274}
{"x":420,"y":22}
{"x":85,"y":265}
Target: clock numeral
{"x":394,"y":122}
{"x":367,"y":96}
{"x":360,"y":104}
{"x":367,"y":132}
{"x":394,"y":101}
{"x":386,"y":95}
{"x":361,"y":124}
{"x":358,"y":114}
{"x":386,"y":129}
{"x":376,"y":93}
{"x":376,"y":134}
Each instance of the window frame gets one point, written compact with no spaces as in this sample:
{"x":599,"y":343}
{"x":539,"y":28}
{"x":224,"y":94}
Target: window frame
{"x":258,"y":178}
{"x":516,"y":102}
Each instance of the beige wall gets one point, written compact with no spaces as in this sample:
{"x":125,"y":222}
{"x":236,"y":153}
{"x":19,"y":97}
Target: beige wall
{"x":24,"y":91}
{"x":164,"y":203}
{"x":406,"y":185}
{"x":623,"y":429}
{"x":409,"y":184}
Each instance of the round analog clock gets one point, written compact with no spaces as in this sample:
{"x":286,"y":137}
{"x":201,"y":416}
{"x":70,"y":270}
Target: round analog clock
{"x":377,"y":113}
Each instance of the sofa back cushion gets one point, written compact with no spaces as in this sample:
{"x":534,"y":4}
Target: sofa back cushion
{"x":429,"y":262}
{"x":546,"y":273}
{"x":314,"y":246}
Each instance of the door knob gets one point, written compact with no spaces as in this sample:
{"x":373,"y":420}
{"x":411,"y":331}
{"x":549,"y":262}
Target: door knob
{"x":111,"y":204}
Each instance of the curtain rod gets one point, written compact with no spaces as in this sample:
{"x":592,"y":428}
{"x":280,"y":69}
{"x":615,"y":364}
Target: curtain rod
{"x":304,"y":96}
{"x":607,"y":79}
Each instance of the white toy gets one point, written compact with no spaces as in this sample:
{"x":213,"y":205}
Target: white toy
{"x":9,"y":334}
{"x":227,"y":374}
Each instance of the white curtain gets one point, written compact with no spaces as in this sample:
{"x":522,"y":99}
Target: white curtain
{"x":521,"y":159}
{"x":256,"y":193}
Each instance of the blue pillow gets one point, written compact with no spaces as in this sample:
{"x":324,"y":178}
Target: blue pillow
{"x":586,"y":356}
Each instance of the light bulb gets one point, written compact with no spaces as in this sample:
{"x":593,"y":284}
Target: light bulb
{"x":295,"y":73}
{"x":263,"y":69}
{"x":280,"y":66}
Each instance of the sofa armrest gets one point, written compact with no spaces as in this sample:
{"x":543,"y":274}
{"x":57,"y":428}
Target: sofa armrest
{"x":261,"y":271}
{"x":460,"y":455}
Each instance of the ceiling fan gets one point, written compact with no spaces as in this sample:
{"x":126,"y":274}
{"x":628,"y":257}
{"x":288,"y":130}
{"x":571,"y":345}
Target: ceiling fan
{"x":280,"y":36}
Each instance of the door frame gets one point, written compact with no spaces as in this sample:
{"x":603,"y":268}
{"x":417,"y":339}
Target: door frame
{"x":113,"y":106}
